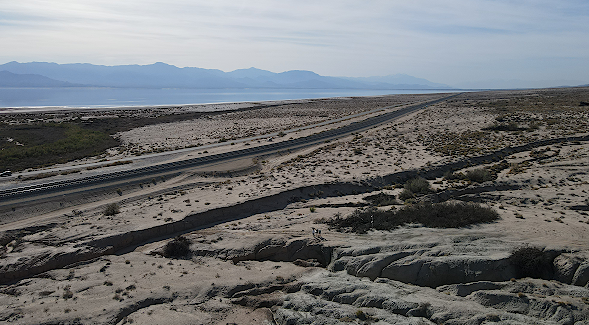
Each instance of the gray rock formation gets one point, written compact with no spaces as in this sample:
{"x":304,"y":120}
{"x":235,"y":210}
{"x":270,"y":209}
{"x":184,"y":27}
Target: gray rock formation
{"x":334,"y":298}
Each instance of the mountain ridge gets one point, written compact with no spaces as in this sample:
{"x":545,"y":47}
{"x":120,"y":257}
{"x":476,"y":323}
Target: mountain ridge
{"x":9,"y":79}
{"x":163,"y":75}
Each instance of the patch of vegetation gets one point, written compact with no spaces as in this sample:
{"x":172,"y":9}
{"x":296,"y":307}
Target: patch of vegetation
{"x":451,"y":176}
{"x":67,"y":293}
{"x":43,"y":144}
{"x":418,"y":185}
{"x":116,"y":163}
{"x":51,"y":174}
{"x":497,"y":168}
{"x":178,"y":247}
{"x":380,"y":199}
{"x":111,"y":209}
{"x":510,"y":127}
{"x":435,"y":215}
{"x":361,"y":315}
{"x":414,"y":186}
{"x":479,"y":175}
{"x":405,"y":195}
{"x":531,"y":261}
{"x":466,"y":143}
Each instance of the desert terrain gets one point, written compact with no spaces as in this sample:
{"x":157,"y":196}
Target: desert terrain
{"x":345,"y":232}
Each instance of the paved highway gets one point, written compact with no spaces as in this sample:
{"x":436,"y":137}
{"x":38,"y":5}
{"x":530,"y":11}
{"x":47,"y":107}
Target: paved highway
{"x":177,"y":166}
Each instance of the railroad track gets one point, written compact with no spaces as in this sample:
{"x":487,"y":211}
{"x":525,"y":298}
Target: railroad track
{"x":43,"y":188}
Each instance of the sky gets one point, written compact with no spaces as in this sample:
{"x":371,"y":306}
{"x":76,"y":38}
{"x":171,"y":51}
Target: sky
{"x":456,"y":42}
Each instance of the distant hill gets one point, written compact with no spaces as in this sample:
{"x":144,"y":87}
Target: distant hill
{"x":162,"y":75}
{"x":9,"y":79}
{"x":518,"y":84}
{"x":400,"y":80}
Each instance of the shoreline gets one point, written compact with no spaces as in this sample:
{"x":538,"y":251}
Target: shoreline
{"x":33,"y":109}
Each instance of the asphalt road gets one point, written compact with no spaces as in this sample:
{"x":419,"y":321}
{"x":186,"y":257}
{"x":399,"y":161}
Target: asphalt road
{"x":83,"y":183}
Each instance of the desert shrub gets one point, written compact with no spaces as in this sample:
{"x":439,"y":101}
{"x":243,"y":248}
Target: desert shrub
{"x":530,"y":261}
{"x":405,"y":194}
{"x":435,"y":215}
{"x":418,"y":185}
{"x":111,"y":209}
{"x":381,"y":199}
{"x":178,"y":247}
{"x":479,"y":175}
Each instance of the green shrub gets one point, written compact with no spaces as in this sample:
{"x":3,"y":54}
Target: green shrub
{"x":312,"y":209}
{"x":178,"y":247}
{"x":435,"y":215}
{"x":479,"y":175}
{"x":111,"y":209}
{"x":405,"y":194}
{"x":418,"y":185}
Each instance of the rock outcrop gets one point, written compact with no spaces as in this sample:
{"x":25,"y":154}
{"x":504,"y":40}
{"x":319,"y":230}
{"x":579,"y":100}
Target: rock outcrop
{"x":334,"y":298}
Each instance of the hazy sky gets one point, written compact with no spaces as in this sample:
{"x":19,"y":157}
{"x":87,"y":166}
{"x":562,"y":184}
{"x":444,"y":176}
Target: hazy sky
{"x":450,"y":41}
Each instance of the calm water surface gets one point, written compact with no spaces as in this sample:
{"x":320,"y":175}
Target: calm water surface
{"x":32,"y":99}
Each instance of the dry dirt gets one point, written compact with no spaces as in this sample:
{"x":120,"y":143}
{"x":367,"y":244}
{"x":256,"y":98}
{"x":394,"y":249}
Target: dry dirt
{"x":254,"y":258}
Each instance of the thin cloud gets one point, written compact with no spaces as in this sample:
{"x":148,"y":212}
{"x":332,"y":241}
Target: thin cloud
{"x":446,"y":41}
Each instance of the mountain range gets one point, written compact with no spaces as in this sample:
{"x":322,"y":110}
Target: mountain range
{"x":162,"y":75}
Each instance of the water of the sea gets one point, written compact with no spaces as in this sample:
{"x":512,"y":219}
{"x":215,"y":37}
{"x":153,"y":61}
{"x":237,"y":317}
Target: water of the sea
{"x":37,"y":99}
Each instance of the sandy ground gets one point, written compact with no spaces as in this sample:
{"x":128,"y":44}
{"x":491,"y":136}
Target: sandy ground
{"x":236,"y":125}
{"x":221,"y":128}
{"x":545,"y":205}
